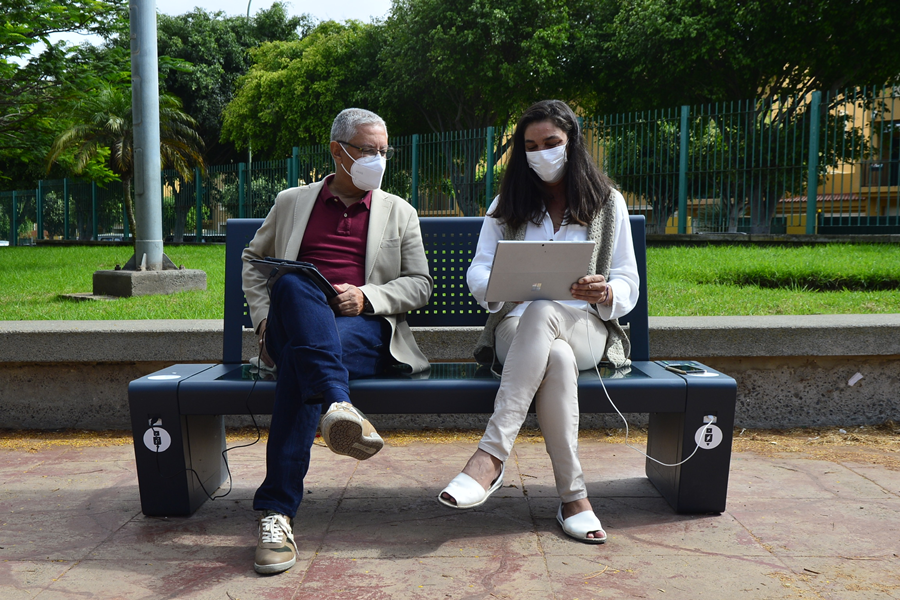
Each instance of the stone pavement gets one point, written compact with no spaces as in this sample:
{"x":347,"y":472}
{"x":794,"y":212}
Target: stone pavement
{"x":796,"y":527}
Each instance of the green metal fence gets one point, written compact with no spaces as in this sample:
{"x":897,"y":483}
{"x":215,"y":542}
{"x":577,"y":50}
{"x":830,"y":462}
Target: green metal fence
{"x":860,"y":193}
{"x":826,"y":163}
{"x":62,"y":209}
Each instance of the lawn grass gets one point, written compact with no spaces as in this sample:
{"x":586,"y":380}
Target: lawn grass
{"x":32,"y":281}
{"x":682,"y":281}
{"x":773,"y":280}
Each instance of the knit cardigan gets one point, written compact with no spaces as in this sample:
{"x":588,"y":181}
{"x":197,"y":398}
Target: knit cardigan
{"x":601,"y":231}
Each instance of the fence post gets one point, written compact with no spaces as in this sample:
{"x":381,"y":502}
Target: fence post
{"x":94,"y":220}
{"x":39,"y":203}
{"x":415,"y":171}
{"x":65,"y":208}
{"x":125,"y":231}
{"x":14,"y":231}
{"x":682,"y":172}
{"x":295,"y":165}
{"x":198,"y":194}
{"x":242,"y":181}
{"x":812,"y":175}
{"x":250,"y":181}
{"x":489,"y":174}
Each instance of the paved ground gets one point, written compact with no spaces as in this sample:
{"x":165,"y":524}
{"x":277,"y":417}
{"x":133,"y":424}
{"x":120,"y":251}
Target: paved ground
{"x":796,"y":527}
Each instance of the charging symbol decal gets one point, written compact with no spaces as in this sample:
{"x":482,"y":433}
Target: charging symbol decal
{"x":708,"y":437}
{"x":157,"y":439}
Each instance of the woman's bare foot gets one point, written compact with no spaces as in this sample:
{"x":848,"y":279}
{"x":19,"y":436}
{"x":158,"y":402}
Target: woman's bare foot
{"x":483,"y":468}
{"x":570,"y":509}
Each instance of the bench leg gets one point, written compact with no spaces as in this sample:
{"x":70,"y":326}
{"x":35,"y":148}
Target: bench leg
{"x":177,"y":456}
{"x":701,"y":484}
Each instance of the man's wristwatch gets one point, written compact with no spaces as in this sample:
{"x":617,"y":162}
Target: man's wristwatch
{"x":367,"y":306}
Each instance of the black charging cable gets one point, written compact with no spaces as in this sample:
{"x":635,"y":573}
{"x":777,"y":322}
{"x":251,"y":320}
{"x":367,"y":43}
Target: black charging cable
{"x":157,"y":436}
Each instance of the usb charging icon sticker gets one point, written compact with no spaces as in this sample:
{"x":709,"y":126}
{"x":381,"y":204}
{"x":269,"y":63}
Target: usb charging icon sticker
{"x":156,"y":438}
{"x":708,"y":437}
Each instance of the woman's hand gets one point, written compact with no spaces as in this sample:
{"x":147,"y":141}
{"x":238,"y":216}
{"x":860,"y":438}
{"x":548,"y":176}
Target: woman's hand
{"x":593,"y":289}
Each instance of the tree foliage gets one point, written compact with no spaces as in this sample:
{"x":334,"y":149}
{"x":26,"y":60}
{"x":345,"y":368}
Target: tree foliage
{"x":272,"y":81}
{"x":103,"y":126}
{"x":210,"y":52}
{"x":294,"y":90}
{"x":447,"y":65}
{"x":670,"y":52}
{"x":36,"y":84}
{"x":438,"y":65}
{"x":763,"y":58}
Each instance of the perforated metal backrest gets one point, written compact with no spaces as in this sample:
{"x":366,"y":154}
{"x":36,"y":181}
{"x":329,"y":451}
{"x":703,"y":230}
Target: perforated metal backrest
{"x":238,"y":234}
{"x":450,"y":245}
{"x":638,"y":320}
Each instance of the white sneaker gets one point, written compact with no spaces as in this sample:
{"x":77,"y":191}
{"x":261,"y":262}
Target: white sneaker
{"x":347,"y":431}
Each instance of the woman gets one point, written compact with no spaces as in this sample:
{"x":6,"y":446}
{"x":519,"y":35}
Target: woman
{"x":552,"y":190}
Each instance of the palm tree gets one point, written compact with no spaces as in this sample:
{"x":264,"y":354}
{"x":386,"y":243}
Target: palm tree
{"x":104,"y":120}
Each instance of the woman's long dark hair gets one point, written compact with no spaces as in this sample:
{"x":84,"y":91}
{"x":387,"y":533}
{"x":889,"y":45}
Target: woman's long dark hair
{"x":522,"y":192}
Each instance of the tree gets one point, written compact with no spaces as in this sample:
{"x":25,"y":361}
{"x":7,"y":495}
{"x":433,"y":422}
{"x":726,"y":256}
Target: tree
{"x":294,"y":89}
{"x":432,"y":65}
{"x":210,"y":52}
{"x":449,"y":65}
{"x":658,"y":53}
{"x":669,"y":52}
{"x":104,"y":121}
{"x":34,"y":87}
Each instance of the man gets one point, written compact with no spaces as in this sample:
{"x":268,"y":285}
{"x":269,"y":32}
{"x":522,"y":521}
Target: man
{"x":367,"y":243}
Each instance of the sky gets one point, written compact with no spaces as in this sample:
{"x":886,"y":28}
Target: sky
{"x":337,"y":10}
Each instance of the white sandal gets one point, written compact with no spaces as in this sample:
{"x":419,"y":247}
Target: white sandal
{"x":467,"y":492}
{"x":578,"y":526}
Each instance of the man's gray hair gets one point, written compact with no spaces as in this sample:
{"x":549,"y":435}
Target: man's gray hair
{"x":348,"y":121}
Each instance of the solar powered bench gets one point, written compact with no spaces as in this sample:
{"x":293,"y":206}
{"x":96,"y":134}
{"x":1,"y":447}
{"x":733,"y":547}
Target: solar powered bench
{"x":177,"y":413}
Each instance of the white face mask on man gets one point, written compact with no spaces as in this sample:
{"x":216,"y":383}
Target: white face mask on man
{"x":549,"y":164}
{"x":366,"y":172}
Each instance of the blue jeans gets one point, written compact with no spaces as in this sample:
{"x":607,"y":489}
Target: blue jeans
{"x":317,"y":353}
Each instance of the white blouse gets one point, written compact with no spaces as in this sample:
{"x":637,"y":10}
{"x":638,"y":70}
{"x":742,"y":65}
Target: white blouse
{"x":623,"y":275}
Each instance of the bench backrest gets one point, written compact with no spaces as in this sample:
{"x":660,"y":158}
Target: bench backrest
{"x":450,"y":245}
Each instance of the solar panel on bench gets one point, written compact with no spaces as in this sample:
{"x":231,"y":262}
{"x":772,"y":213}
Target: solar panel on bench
{"x":450,"y":244}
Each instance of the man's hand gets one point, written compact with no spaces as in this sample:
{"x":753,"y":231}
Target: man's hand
{"x":263,"y":353}
{"x":349,"y":302}
{"x":593,"y":289}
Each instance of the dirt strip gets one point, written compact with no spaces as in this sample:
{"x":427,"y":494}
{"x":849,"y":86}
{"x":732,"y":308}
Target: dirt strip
{"x":879,"y":444}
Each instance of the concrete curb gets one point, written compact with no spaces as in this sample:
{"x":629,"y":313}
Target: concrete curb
{"x":201,"y":340}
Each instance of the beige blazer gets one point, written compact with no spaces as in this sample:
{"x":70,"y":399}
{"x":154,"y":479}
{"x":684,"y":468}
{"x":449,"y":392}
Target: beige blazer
{"x":397,"y":277}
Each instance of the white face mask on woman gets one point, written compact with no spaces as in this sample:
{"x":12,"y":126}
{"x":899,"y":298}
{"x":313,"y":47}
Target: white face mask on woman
{"x":366,"y":172}
{"x":549,"y":164}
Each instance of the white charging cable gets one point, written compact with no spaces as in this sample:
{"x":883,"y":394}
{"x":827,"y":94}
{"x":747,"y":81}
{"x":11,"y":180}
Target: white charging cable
{"x":587,"y":326}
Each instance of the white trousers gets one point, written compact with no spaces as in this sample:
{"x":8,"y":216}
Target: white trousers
{"x":542,"y":352}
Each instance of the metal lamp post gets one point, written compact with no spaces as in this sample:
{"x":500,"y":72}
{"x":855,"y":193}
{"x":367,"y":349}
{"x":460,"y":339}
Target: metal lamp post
{"x":148,"y":243}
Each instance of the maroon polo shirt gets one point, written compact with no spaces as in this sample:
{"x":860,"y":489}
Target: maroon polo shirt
{"x":335,"y":237}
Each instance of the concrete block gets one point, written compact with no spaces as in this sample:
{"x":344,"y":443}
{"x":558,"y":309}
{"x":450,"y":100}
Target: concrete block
{"x":126,"y":283}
